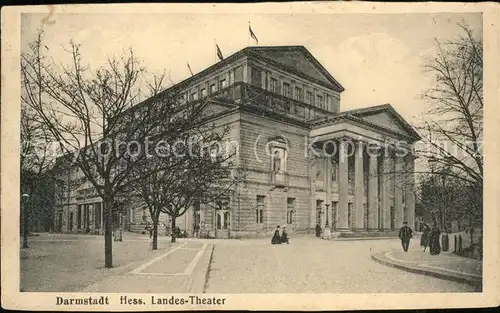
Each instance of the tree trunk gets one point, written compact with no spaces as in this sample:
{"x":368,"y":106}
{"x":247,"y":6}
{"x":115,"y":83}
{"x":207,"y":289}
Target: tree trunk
{"x":155,"y":234}
{"x":108,"y":235}
{"x":25,"y":225}
{"x":173,"y":229}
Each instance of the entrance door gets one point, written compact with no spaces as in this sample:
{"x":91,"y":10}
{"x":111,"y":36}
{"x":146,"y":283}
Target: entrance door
{"x":222,"y":219}
{"x":70,"y":221}
{"x":60,"y":222}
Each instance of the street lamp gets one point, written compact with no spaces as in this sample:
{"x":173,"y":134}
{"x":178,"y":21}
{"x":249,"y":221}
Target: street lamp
{"x":24,"y":198}
{"x":326,"y":222}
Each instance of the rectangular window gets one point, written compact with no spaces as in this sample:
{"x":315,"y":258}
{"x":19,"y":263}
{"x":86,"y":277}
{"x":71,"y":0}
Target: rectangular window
{"x":290,"y":210}
{"x":223,"y":83}
{"x":231,"y":77}
{"x":212,"y":89}
{"x":319,"y":101}
{"x":238,"y":74}
{"x":286,"y":89}
{"x":194,"y":96}
{"x":256,"y":76}
{"x":203,"y":92}
{"x":309,"y":98}
{"x":329,"y":103}
{"x":298,"y":94}
{"x":274,"y":85}
{"x":259,"y":211}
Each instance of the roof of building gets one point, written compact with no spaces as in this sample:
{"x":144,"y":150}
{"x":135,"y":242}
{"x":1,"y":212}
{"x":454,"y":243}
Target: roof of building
{"x":359,"y":114}
{"x":295,"y":59}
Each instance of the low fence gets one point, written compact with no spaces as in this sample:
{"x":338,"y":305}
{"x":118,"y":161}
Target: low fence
{"x":462,"y":244}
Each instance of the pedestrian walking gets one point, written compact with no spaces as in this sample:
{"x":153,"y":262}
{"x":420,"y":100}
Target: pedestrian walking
{"x":284,"y":236}
{"x":276,"y":237}
{"x":424,"y":240}
{"x":318,"y":230}
{"x":434,"y":245}
{"x":405,"y":234}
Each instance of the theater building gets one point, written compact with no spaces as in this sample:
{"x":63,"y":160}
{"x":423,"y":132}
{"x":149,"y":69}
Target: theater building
{"x":306,"y":161}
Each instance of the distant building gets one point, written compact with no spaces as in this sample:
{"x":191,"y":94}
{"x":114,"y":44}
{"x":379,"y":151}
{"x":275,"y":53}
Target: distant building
{"x":284,"y":100}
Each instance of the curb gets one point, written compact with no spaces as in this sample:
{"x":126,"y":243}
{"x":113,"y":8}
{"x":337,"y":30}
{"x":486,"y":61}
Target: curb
{"x":475,"y":282}
{"x":362,"y":238}
{"x":198,"y":279}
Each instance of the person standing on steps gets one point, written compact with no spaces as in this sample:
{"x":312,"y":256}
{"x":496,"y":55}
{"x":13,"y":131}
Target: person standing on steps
{"x":405,"y":234}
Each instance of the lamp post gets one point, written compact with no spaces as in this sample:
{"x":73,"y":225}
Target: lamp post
{"x":24,"y":198}
{"x":326,"y":222}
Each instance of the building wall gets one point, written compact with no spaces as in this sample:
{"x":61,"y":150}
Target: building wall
{"x":331,"y":97}
{"x":255,"y":133}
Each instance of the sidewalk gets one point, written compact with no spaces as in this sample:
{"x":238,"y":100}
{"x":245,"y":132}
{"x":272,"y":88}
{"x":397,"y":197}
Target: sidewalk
{"x":181,"y":269}
{"x":444,"y":265}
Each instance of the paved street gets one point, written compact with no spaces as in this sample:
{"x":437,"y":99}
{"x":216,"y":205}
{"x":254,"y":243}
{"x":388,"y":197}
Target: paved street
{"x":311,"y":265}
{"x":307,"y":265}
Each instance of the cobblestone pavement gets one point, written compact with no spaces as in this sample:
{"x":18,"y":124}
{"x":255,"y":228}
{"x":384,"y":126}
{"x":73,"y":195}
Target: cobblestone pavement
{"x":311,"y":265}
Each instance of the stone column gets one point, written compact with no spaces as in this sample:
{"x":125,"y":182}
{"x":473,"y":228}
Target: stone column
{"x":398,"y":192}
{"x":386,"y":192}
{"x":359,"y":189}
{"x":343,"y":181}
{"x":373,"y":191}
{"x":409,"y":191}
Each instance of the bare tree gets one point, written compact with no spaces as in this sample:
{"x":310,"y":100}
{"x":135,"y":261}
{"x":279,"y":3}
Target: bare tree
{"x":453,"y":131}
{"x":195,"y":171}
{"x":93,"y":117}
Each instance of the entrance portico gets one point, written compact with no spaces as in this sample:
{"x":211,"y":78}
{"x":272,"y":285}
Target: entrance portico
{"x":364,"y":181}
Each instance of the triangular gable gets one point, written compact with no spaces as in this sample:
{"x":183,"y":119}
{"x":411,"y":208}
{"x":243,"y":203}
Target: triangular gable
{"x":300,"y":60}
{"x":387,"y":117}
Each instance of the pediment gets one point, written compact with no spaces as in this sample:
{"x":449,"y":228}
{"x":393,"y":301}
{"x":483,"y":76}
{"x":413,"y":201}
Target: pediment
{"x":385,"y":116}
{"x":299,"y":59}
{"x":385,"y":119}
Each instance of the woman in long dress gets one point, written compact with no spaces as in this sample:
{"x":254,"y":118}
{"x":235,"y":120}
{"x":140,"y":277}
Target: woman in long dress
{"x":276,"y":237}
{"x":434,"y":246}
{"x":424,"y":240}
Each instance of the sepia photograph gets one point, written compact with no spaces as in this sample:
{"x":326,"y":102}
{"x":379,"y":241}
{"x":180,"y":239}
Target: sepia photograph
{"x":171,"y":158}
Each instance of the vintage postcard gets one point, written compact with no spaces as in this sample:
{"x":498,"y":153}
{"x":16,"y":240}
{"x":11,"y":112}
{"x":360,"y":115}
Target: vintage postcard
{"x":291,"y":156}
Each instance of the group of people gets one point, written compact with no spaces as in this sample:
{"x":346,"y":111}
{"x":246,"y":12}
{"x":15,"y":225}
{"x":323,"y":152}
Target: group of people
{"x":430,"y":238}
{"x":280,"y":238}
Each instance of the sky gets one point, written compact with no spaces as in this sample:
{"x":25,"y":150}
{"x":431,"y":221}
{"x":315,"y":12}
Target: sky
{"x":377,"y":58}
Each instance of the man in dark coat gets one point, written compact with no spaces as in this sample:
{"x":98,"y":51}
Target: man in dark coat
{"x":405,"y":234}
{"x":318,"y":230}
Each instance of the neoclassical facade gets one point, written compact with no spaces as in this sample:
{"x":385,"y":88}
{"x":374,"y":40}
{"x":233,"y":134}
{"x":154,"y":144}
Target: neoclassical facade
{"x":306,"y":162}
